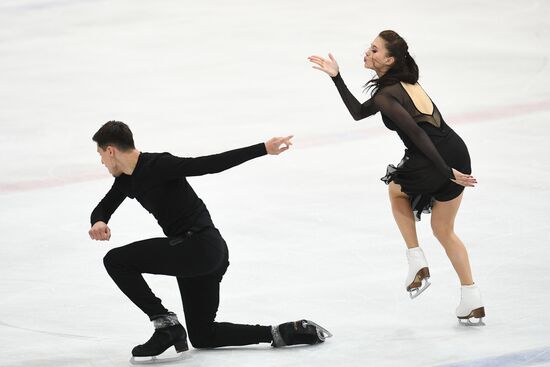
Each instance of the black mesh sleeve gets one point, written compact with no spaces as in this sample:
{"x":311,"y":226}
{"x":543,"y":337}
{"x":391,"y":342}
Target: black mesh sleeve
{"x":357,"y":110}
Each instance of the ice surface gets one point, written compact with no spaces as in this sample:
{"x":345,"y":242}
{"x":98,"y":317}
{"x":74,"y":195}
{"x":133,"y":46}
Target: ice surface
{"x":310,"y":232}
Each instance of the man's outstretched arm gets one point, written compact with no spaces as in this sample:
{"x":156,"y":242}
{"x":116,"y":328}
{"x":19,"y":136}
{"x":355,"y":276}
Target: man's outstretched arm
{"x":170,"y":166}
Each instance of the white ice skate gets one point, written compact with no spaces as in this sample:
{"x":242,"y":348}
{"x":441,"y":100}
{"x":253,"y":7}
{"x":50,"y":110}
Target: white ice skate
{"x":417,"y":278}
{"x":471,"y":306}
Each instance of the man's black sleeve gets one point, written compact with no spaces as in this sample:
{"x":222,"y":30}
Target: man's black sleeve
{"x":169,"y":166}
{"x":107,"y":205}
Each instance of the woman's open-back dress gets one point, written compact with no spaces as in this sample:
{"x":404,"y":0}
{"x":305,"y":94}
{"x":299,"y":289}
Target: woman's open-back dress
{"x":432,"y":147}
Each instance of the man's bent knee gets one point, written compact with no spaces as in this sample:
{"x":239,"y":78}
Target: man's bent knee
{"x":201,"y":341}
{"x":201,"y":337}
{"x":111,"y":258}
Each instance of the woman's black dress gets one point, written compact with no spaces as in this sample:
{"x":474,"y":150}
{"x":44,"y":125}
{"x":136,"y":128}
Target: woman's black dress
{"x":433,"y":148}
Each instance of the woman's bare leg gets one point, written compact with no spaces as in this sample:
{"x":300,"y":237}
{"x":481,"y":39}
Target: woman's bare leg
{"x":443,"y":219}
{"x":403,"y":214}
{"x":417,"y":278}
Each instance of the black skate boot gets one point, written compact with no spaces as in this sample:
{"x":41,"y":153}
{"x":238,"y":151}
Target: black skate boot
{"x":168,"y":332}
{"x":298,"y":332}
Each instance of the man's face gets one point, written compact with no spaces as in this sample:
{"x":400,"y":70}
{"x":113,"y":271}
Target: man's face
{"x":108,"y":159}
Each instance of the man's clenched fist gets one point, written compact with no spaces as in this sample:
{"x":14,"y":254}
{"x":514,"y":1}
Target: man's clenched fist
{"x":100,"y":231}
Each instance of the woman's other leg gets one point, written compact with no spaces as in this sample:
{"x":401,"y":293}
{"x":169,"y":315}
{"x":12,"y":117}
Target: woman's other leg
{"x":443,"y":220}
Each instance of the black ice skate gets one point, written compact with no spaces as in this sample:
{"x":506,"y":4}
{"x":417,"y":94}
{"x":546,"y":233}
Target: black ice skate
{"x":298,"y":332}
{"x":168,"y":332}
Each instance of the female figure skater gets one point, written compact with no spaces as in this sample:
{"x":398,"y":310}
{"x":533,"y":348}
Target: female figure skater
{"x":434,"y":171}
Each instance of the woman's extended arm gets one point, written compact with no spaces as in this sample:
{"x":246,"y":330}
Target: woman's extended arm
{"x":357,"y":110}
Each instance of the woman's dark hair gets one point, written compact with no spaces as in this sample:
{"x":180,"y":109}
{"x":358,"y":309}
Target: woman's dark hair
{"x":404,"y":68}
{"x":115,"y":133}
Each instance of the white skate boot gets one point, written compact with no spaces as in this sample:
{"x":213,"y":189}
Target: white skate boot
{"x":471,"y":306}
{"x":417,"y":279}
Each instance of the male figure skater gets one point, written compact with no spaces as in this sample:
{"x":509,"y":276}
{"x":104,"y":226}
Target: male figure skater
{"x":193,"y":249}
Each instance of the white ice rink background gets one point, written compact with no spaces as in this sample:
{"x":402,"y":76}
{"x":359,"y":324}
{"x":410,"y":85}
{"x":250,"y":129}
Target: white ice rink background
{"x":310,"y":232}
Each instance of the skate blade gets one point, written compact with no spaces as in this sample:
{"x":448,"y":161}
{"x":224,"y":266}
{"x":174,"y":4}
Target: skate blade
{"x":415,"y":292}
{"x":478,"y":313}
{"x":322,"y":333}
{"x":155,"y":360}
{"x":469,"y":323}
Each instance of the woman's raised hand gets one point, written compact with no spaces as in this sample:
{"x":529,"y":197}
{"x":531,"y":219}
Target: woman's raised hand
{"x":329,"y":66}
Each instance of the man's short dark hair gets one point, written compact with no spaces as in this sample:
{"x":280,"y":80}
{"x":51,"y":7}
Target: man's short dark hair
{"x":115,"y":133}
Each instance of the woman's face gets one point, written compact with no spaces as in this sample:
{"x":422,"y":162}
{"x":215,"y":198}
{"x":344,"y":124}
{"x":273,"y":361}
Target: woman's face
{"x":376,"y":57}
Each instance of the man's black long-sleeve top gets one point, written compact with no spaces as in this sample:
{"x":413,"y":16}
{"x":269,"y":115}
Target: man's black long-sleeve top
{"x":158,"y":183}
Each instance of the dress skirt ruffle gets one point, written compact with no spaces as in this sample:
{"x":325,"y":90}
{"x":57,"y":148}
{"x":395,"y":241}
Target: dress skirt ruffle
{"x":422,"y":182}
